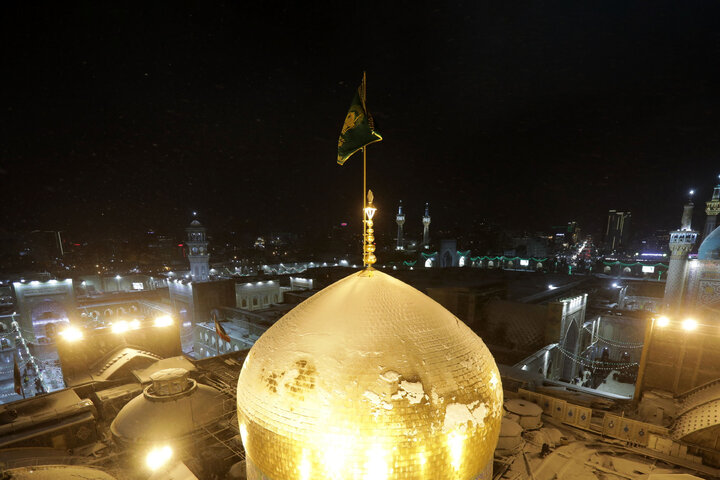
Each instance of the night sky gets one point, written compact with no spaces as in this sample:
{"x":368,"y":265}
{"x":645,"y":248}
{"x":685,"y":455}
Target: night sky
{"x":529,"y":114}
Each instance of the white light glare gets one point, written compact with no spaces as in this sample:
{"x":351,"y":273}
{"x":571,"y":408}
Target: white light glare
{"x":71,"y":334}
{"x":551,"y":287}
{"x":663,"y":321}
{"x":164,"y":321}
{"x":120,"y":327}
{"x":157,"y":457}
{"x":689,"y":324}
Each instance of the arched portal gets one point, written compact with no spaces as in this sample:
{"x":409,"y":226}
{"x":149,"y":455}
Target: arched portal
{"x":447,"y":259}
{"x":47,"y":317}
{"x":429,"y":263}
{"x":461,"y":262}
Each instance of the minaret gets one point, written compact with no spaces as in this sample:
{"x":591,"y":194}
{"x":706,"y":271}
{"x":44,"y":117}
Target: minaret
{"x":197,"y":252}
{"x":400,"y":219}
{"x":712,"y":208}
{"x":681,"y":243}
{"x":426,"y":227}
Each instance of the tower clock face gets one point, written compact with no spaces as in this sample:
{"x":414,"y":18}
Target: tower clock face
{"x":194,"y":250}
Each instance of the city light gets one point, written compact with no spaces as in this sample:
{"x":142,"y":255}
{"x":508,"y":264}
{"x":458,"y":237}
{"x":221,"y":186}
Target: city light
{"x":689,"y":324}
{"x":135,"y":324}
{"x":71,"y":334}
{"x":663,"y":321}
{"x":120,"y":327}
{"x":551,"y":287}
{"x":157,"y":457}
{"x":164,"y":321}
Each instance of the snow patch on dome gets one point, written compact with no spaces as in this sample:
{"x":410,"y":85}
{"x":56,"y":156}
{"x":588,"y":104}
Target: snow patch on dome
{"x":413,"y":391}
{"x":457,"y":415}
{"x":376,"y":400}
{"x":390,"y":376}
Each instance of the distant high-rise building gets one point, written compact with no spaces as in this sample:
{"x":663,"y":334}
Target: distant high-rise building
{"x":573,"y":230}
{"x":426,"y":226}
{"x":197,"y":252}
{"x":617,"y":231}
{"x":400,"y":219}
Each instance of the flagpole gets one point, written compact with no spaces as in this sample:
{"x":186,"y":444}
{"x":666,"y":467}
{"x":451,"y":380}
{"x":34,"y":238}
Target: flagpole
{"x":364,"y":93}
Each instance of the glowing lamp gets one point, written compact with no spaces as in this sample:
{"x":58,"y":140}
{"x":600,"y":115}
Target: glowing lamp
{"x":689,"y":324}
{"x":120,"y":327}
{"x":135,"y":324}
{"x":164,"y":321}
{"x":662,"y":321}
{"x":72,"y":334}
{"x":158,"y":457}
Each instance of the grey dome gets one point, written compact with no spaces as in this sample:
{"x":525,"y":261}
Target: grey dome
{"x":710,"y":247}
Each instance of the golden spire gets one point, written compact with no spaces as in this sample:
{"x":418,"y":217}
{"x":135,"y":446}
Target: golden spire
{"x":369,"y":235}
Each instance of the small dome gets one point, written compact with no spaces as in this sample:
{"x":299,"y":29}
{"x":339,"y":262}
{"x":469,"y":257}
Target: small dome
{"x":172,"y":407}
{"x":195,"y":223}
{"x":369,"y":378}
{"x":710,"y":247}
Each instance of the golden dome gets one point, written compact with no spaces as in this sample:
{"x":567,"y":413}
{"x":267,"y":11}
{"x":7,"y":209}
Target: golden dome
{"x":369,"y":379}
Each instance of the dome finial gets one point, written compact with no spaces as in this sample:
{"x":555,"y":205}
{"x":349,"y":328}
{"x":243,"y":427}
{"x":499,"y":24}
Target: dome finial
{"x":369,"y":235}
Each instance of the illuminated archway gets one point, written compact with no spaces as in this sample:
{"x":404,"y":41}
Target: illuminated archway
{"x":47,"y":318}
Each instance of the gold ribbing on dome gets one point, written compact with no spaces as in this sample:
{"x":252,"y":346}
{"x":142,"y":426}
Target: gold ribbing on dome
{"x":369,"y":234}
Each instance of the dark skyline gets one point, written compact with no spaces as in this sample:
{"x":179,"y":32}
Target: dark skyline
{"x":530,"y":114}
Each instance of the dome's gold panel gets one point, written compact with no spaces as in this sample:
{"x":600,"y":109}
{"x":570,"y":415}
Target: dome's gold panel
{"x":369,"y":379}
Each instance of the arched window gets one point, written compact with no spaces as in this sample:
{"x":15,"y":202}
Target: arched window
{"x":244,"y":302}
{"x":265,"y":300}
{"x":255,"y":301}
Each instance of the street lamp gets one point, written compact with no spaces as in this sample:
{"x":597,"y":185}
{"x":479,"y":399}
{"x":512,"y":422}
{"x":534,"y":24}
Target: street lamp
{"x":689,"y":324}
{"x":117,"y":281}
{"x":662,"y":321}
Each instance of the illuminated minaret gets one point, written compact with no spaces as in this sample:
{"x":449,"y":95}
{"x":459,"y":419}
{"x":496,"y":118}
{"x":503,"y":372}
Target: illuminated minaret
{"x":197,"y":252}
{"x":400,"y":219}
{"x":426,"y":227}
{"x":712,"y":208}
{"x":681,"y":243}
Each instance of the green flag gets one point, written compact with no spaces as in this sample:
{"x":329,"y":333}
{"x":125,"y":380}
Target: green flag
{"x":357,"y":131}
